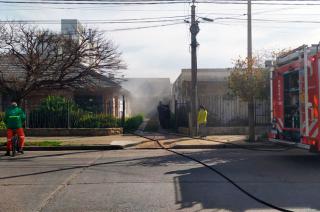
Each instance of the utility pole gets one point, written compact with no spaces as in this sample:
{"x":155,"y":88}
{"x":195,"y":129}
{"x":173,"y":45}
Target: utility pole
{"x":194,"y":29}
{"x":251,"y":108}
{"x":249,"y":31}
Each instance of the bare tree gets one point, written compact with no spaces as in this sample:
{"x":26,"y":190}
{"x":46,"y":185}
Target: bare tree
{"x":33,"y":59}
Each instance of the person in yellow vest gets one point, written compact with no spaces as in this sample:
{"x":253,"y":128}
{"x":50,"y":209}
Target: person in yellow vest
{"x":202,"y":121}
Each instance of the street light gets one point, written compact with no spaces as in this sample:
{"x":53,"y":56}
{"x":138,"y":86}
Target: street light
{"x":207,"y":19}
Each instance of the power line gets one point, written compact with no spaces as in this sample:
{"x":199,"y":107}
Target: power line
{"x":138,"y":20}
{"x":166,"y":18}
{"x":264,"y":26}
{"x":89,"y":22}
{"x":93,"y":1}
{"x":100,"y":21}
{"x":142,"y":27}
{"x":268,"y":0}
{"x":160,"y":18}
{"x":141,"y":2}
{"x":270,"y":3}
{"x":272,"y":20}
{"x":134,"y":2}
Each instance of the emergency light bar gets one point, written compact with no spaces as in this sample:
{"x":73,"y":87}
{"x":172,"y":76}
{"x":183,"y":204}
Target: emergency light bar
{"x":295,"y":54}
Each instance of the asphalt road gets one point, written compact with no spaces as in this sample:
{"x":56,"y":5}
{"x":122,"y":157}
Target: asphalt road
{"x":156,"y":180}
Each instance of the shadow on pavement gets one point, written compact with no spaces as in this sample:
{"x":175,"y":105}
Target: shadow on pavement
{"x":287,"y":181}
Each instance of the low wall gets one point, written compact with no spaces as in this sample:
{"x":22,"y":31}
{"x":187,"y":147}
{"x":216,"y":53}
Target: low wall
{"x":228,"y":130}
{"x":69,"y":132}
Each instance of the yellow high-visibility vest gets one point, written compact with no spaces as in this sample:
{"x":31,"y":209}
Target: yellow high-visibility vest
{"x":202,"y":116}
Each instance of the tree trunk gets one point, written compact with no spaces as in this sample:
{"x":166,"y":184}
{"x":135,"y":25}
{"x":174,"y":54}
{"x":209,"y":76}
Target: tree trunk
{"x":251,"y":113}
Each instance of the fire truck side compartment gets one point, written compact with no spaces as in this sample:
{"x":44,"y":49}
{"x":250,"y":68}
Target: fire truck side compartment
{"x":296,"y":96}
{"x":291,"y":106}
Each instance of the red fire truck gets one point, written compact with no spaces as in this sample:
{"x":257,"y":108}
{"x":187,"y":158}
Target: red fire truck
{"x":295,"y":94}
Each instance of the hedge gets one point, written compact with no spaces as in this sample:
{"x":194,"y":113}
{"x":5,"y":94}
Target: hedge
{"x":56,"y":112}
{"x":133,"y":123}
{"x":2,"y":125}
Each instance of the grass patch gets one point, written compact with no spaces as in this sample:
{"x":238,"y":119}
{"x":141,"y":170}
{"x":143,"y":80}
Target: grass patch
{"x":44,"y":143}
{"x":40,"y":143}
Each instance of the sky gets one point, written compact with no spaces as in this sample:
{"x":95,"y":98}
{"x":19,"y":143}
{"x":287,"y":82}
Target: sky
{"x":163,"y":51}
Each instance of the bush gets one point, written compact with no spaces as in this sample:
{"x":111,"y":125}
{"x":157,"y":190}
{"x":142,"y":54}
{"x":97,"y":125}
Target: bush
{"x":2,"y":125}
{"x":133,"y":123}
{"x":54,"y":111}
{"x":90,"y":120}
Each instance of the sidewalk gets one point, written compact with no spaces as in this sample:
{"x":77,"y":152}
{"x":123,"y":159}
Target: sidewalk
{"x":80,"y":142}
{"x":211,"y":142}
{"x":135,"y":142}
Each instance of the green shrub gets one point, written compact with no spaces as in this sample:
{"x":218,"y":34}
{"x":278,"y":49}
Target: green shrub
{"x":132,"y":123}
{"x":57,"y":111}
{"x":90,"y":120}
{"x":52,"y":113}
{"x":2,"y":125}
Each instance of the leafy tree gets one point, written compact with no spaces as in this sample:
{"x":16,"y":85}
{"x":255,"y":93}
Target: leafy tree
{"x":249,"y":84}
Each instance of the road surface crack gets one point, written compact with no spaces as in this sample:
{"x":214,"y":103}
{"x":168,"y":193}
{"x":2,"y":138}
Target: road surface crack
{"x":66,"y":183}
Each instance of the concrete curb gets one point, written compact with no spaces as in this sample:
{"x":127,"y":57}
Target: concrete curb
{"x":120,"y":147}
{"x":134,"y":144}
{"x":77,"y":147}
{"x":65,"y":148}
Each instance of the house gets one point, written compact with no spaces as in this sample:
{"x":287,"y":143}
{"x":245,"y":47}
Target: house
{"x":100,"y":94}
{"x":105,"y":96}
{"x":210,"y":82}
{"x":224,"y":109}
{"x":146,"y":93}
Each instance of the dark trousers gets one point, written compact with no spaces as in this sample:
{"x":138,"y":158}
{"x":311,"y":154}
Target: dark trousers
{"x":203,"y":130}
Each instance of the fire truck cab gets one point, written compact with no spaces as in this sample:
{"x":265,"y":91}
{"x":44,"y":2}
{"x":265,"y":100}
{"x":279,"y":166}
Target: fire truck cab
{"x":295,"y":93}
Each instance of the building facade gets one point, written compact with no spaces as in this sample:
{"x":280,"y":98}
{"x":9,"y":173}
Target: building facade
{"x":224,"y":109}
